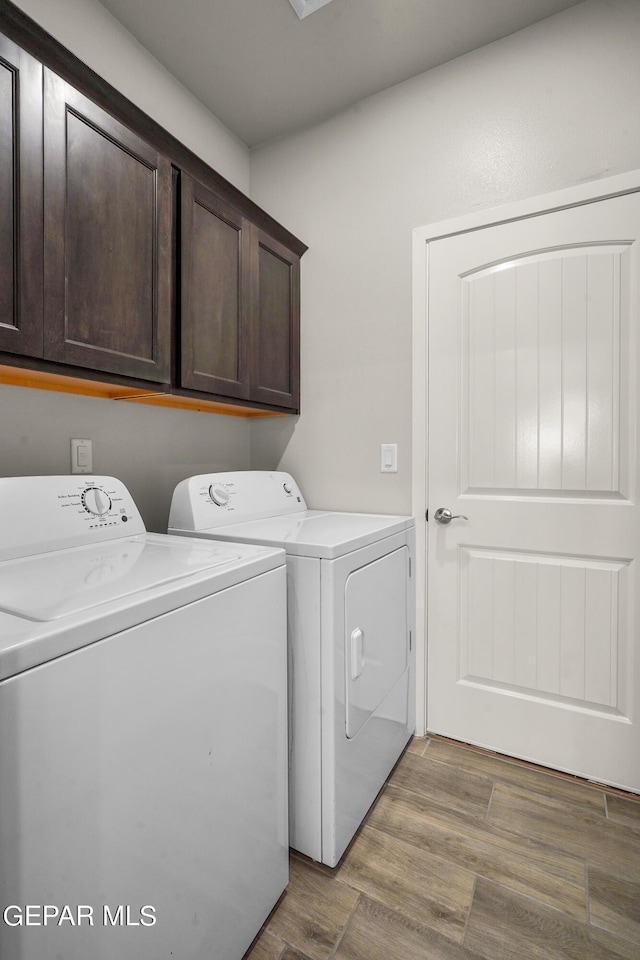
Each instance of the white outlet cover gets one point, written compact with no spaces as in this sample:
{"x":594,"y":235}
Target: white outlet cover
{"x":81,"y":456}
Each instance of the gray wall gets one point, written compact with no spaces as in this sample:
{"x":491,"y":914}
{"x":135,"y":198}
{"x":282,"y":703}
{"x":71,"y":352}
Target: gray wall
{"x":88,"y":30}
{"x":150,"y":448}
{"x":551,"y":106}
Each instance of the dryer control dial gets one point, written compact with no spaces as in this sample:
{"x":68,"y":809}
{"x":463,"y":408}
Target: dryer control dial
{"x":219,"y":495}
{"x":287,"y":487}
{"x":96,"y":501}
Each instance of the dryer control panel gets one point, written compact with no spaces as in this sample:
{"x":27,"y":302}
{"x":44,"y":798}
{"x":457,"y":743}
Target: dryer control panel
{"x":215,"y":499}
{"x":39,"y":514}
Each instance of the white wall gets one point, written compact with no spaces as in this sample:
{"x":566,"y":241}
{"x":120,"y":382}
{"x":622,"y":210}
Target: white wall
{"x":149,"y":448}
{"x":552,"y":106}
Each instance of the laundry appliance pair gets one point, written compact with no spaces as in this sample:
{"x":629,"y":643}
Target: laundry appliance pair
{"x":144,"y":755}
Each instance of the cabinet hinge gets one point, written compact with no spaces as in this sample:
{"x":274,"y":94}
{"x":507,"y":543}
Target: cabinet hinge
{"x":426,"y":516}
{"x":410,"y":641}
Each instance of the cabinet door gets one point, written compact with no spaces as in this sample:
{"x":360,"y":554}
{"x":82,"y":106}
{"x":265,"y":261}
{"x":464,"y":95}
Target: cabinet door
{"x":275,"y":336}
{"x":107,"y":241}
{"x":20,"y":201}
{"x":215,"y":293}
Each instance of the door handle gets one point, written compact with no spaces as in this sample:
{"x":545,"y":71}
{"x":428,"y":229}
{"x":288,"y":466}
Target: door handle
{"x":444,"y":515}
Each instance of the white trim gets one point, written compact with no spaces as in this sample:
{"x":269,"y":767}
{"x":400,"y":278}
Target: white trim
{"x":419,"y":472}
{"x":422,"y":236}
{"x":568,"y":197}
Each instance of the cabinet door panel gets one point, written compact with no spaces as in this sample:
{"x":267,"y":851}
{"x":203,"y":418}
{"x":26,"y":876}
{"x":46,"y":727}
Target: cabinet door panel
{"x":20,"y":201}
{"x":276,"y":336}
{"x":214,"y":243}
{"x":107,"y":241}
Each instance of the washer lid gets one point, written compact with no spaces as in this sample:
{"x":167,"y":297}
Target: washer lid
{"x":65,"y":582}
{"x":313,"y":533}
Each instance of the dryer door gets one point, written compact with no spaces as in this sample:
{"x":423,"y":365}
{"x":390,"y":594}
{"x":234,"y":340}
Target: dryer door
{"x":376,"y":634}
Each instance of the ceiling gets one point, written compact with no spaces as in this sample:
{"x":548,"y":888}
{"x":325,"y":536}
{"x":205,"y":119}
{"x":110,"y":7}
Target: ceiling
{"x":265,"y":73}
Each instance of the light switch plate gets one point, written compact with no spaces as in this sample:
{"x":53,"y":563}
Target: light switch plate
{"x":388,"y":458}
{"x":81,"y":456}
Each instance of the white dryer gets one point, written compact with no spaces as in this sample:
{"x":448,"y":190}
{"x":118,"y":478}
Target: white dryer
{"x":143,"y":731}
{"x":350,"y":602}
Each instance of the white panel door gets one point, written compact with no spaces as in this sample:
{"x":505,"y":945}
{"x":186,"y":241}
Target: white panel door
{"x":533,"y":633}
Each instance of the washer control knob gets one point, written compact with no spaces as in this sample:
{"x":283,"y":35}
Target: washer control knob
{"x":219,"y":495}
{"x":96,"y":501}
{"x":287,"y":487}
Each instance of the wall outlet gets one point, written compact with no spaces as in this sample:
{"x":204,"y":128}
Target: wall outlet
{"x":81,"y":456}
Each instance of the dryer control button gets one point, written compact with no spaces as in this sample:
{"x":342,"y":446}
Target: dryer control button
{"x":219,"y":495}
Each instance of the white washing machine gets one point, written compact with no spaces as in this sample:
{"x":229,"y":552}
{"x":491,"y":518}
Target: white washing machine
{"x":143,"y":731}
{"x":350,"y":603}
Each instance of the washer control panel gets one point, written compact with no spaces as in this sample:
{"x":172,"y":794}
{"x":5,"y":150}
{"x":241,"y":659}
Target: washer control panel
{"x":215,"y":499}
{"x":38,"y":514}
{"x":95,"y":504}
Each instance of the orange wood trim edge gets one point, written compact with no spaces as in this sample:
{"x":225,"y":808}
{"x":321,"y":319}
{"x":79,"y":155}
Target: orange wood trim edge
{"x":41,"y":380}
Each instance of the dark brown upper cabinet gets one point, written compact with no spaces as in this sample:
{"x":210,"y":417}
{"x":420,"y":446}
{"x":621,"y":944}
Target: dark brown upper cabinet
{"x":215,"y":254}
{"x":240,"y":294}
{"x":127,"y":264}
{"x":20,"y":201}
{"x":275,"y":359}
{"x":107,"y":234}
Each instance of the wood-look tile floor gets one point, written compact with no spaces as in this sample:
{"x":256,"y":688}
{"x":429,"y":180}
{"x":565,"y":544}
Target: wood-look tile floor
{"x":466,"y":856}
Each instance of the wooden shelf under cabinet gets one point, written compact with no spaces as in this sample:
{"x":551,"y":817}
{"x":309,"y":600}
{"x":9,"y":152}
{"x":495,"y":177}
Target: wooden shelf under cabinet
{"x":40,"y":380}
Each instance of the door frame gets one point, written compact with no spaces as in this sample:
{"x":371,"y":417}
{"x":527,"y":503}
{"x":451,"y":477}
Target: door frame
{"x":422,"y":236}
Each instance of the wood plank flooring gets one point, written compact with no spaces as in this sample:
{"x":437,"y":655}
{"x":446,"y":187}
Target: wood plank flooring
{"x":468,"y":856}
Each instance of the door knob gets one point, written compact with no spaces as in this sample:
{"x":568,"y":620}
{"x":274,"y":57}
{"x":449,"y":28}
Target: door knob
{"x":444,"y":515}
